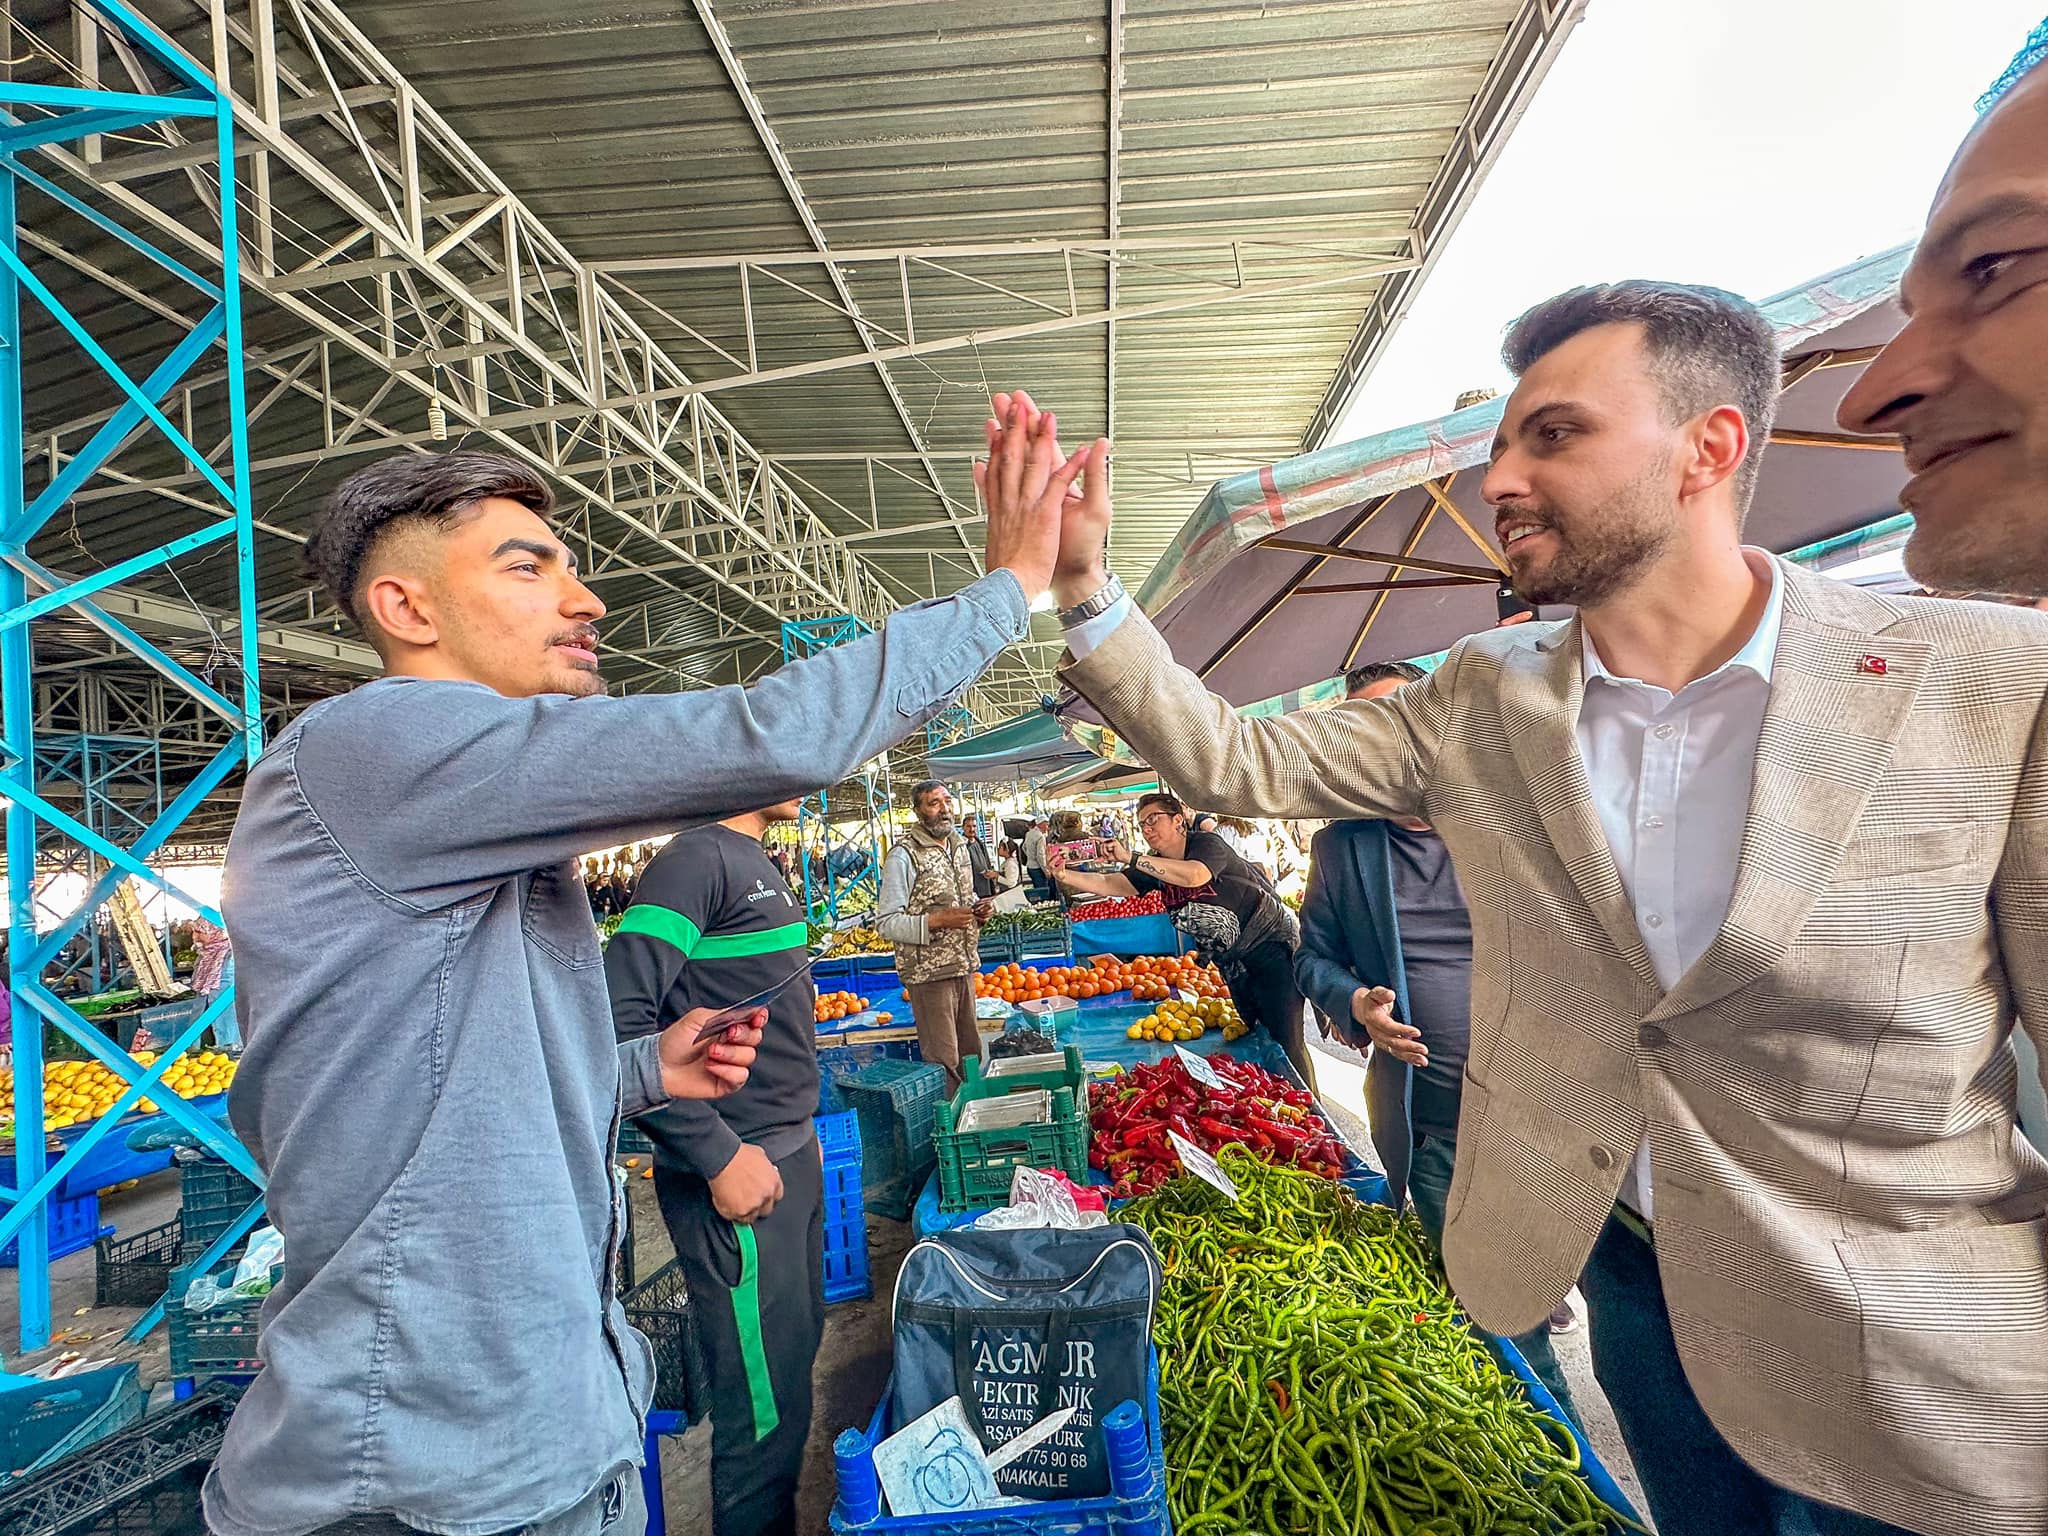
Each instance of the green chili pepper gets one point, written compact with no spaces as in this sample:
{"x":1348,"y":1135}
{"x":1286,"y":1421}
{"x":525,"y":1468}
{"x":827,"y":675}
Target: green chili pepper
{"x":1324,"y":1381}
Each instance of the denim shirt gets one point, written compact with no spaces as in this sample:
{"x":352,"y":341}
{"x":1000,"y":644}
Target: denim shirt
{"x":431,"y":1082}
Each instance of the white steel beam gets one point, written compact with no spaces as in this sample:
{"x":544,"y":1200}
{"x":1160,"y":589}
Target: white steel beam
{"x":771,"y":145}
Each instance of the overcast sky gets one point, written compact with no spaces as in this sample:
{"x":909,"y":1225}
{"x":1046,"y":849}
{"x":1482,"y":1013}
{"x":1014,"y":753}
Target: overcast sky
{"x":1747,"y":143}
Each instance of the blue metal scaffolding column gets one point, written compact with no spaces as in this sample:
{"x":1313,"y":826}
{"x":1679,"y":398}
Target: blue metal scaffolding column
{"x":33,"y":115}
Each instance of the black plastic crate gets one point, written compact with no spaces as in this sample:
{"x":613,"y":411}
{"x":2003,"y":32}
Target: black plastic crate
{"x":136,"y":1271}
{"x":660,"y":1308}
{"x":142,"y":1481}
{"x":634,"y":1142}
{"x":212,"y":1197}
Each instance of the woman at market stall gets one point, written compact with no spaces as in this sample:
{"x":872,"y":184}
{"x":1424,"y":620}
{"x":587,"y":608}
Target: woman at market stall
{"x":1225,"y":906}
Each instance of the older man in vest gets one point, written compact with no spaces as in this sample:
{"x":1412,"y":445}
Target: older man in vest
{"x":930,"y":912}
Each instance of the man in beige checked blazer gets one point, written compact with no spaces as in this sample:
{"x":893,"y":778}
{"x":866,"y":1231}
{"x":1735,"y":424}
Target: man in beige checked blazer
{"x":1758,"y":873}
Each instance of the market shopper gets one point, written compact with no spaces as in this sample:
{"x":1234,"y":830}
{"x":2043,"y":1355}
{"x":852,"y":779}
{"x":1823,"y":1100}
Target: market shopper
{"x":1034,"y":859}
{"x":1386,"y":954}
{"x":1754,"y":862}
{"x":741,"y":1181}
{"x":430,"y":1081}
{"x":979,"y":859}
{"x":1225,"y":906}
{"x":929,"y":910}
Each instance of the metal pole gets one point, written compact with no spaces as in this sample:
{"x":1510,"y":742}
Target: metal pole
{"x":18,"y":705}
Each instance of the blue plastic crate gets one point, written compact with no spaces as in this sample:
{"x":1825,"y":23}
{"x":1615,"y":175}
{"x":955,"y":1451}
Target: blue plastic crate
{"x":74,"y":1227}
{"x":1121,"y":1512}
{"x":897,"y":1102}
{"x":42,"y":1422}
{"x":847,"y":1276}
{"x":847,"y":1054}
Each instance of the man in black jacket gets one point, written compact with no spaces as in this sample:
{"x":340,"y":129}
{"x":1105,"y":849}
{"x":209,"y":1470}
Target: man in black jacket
{"x":741,"y":1184}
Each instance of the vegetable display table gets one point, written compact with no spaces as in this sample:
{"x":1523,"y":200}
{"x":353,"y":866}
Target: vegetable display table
{"x":1153,"y":935}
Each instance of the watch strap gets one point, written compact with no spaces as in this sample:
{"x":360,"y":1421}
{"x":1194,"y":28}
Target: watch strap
{"x":1098,"y":602}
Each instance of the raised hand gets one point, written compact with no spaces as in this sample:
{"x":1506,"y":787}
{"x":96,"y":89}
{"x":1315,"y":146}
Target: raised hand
{"x":1023,"y":487}
{"x":1082,"y":565}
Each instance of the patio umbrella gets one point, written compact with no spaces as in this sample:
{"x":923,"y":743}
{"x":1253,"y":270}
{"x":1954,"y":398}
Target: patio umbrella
{"x":1382,"y":549}
{"x":1022,"y":747}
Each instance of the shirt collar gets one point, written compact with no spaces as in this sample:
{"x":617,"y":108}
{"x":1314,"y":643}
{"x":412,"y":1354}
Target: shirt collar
{"x":1757,"y":653}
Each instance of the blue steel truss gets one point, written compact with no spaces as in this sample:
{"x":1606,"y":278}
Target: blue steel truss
{"x":953,"y":723}
{"x":853,"y":866}
{"x":31,"y":116}
{"x":119,"y":781}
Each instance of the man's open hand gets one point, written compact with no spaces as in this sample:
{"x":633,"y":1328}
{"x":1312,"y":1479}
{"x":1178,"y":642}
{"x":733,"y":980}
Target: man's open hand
{"x":1023,"y":487}
{"x":1373,"y":1007}
{"x":691,"y":1069}
{"x":1081,"y":565}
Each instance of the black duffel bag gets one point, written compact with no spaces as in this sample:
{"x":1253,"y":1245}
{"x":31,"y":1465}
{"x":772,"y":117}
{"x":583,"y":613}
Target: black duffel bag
{"x":1019,"y":1324}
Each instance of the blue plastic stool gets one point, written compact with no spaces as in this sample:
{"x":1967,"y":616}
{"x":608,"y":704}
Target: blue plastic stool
{"x":660,"y":1421}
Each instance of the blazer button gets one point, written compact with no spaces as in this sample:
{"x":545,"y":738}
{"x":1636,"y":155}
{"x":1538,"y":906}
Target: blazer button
{"x":1602,"y":1158}
{"x":1652,"y":1036}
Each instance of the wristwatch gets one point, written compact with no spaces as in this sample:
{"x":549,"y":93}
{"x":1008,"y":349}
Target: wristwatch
{"x":1101,"y":601}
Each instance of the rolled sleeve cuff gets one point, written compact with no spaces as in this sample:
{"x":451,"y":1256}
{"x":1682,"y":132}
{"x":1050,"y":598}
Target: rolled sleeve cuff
{"x":1084,"y":637}
{"x":640,"y":1087}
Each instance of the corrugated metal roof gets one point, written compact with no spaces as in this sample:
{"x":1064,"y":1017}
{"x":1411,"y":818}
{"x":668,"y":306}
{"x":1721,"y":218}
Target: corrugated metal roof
{"x":1243,"y":190}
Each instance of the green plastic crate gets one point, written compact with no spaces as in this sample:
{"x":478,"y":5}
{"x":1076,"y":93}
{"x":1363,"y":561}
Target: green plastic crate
{"x":1071,"y":1075}
{"x":976,"y":1167}
{"x":217,"y":1342}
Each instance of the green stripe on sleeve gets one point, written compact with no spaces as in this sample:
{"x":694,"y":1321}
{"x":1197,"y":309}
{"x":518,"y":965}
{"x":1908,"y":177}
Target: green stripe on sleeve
{"x":768,"y":941}
{"x":746,"y":1313}
{"x":660,"y":923}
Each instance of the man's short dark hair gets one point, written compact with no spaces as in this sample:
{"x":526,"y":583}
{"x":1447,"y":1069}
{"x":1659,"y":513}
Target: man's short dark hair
{"x":922,"y":788}
{"x":437,"y":489}
{"x":1164,"y":801}
{"x":1358,"y":679}
{"x":1707,"y":348}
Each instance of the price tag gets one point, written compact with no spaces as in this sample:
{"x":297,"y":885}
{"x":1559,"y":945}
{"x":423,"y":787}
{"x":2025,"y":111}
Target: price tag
{"x":1200,"y":1070}
{"x":1201,"y":1164}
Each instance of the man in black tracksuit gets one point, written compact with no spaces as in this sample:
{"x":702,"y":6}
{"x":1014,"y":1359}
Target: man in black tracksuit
{"x":740,"y":1180}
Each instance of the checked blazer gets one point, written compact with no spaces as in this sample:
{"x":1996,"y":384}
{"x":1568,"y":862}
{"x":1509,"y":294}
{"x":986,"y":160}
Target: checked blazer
{"x":1853,"y":1240}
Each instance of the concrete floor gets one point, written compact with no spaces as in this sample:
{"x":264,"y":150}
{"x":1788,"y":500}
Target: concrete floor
{"x":852,"y":1364}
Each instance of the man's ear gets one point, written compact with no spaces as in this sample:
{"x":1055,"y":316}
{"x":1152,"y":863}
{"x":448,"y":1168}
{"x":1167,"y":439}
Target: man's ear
{"x":1720,"y":442}
{"x":399,"y":606}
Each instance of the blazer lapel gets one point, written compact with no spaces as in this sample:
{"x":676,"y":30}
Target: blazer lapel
{"x":1376,"y":886}
{"x":1840,"y":696}
{"x":1540,"y":692}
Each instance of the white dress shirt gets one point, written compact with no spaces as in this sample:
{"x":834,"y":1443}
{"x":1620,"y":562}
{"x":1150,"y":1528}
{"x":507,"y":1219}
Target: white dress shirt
{"x":1670,"y":776}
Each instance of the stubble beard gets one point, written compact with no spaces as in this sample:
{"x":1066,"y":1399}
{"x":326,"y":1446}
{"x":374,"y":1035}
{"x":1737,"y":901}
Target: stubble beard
{"x":1604,"y":551}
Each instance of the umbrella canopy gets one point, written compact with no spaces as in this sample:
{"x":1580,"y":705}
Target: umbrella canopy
{"x":1382,"y":549}
{"x":1022,"y":747}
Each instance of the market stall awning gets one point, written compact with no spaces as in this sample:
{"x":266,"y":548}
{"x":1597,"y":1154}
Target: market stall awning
{"x":1383,"y":549}
{"x":1022,"y":747}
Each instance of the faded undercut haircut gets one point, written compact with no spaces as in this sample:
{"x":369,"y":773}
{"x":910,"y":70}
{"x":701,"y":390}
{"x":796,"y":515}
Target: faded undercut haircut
{"x":432,"y":489}
{"x":1358,"y":679}
{"x":1707,"y":348}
